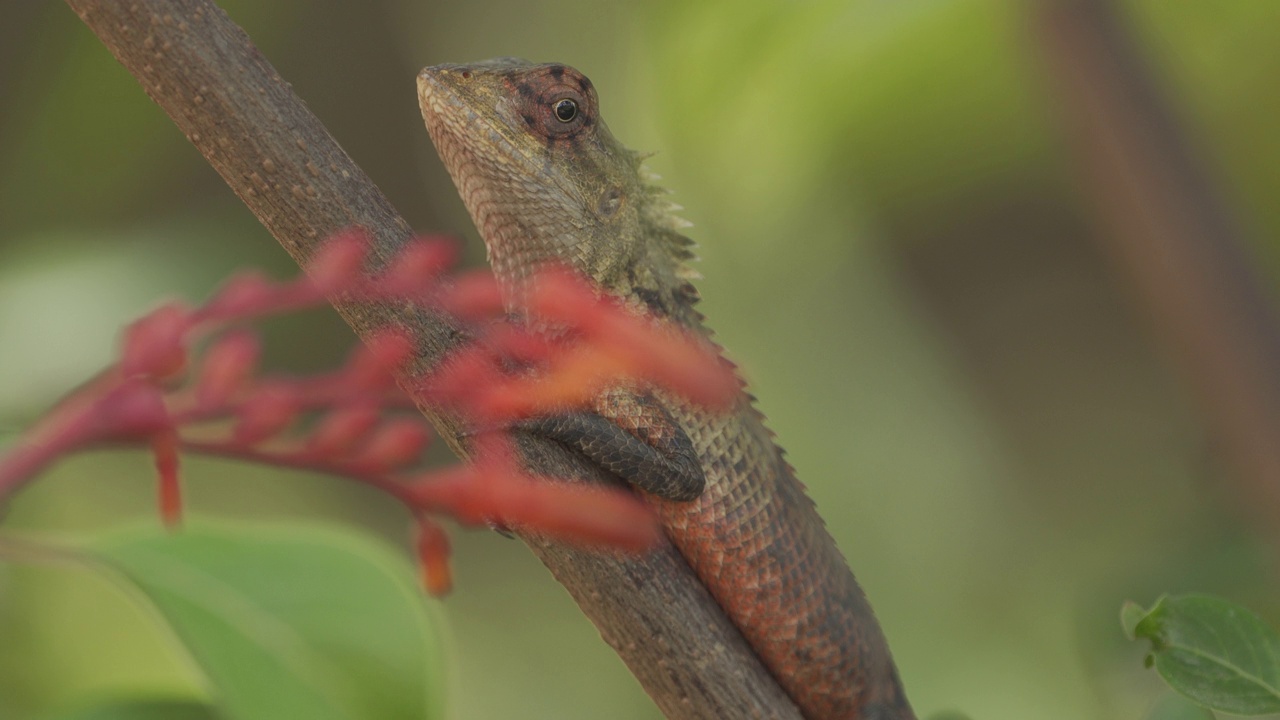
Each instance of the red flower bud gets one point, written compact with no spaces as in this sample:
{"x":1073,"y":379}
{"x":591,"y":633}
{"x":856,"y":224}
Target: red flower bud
{"x":492,"y":492}
{"x":372,"y":365}
{"x":228,"y":365}
{"x":473,"y":296}
{"x":338,"y":263}
{"x":342,"y":429}
{"x":270,"y":410}
{"x":164,"y":447}
{"x":560,"y":297}
{"x":134,"y":410}
{"x":243,"y":294}
{"x":396,"y":444}
{"x":677,"y":361}
{"x":419,"y":264}
{"x":155,"y":345}
{"x":433,"y":556}
{"x":460,"y":379}
{"x":581,"y":515}
{"x":519,"y":344}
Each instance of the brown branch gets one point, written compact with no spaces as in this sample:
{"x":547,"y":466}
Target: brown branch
{"x":1172,"y":237}
{"x":232,"y":105}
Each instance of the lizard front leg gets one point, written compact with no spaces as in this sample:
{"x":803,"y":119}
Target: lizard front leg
{"x":631,"y":435}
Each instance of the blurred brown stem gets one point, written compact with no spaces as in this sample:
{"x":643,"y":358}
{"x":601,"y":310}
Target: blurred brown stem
{"x":1172,"y":237}
{"x":204,"y":72}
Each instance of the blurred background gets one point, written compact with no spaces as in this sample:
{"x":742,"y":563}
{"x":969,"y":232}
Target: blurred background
{"x":897,"y":206}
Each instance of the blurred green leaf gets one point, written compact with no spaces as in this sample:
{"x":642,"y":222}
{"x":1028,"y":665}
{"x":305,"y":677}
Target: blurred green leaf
{"x":292,"y":622}
{"x":1176,"y":707}
{"x":140,"y":709}
{"x":1214,"y":652}
{"x":1131,"y":613}
{"x":949,"y":715}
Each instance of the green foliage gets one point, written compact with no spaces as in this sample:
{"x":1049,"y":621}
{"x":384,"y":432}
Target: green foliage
{"x":1176,"y":707}
{"x":293,"y":622}
{"x":1212,"y":651}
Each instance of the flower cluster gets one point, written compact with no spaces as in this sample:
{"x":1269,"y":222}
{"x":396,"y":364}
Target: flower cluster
{"x":188,"y":381}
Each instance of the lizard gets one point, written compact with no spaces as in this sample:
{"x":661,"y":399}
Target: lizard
{"x":546,"y":183}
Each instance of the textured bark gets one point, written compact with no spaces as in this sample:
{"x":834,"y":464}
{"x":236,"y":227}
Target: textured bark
{"x":204,"y":72}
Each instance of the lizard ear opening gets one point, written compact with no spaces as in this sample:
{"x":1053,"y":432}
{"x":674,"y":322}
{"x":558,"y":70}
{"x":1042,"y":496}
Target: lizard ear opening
{"x":610,"y":203}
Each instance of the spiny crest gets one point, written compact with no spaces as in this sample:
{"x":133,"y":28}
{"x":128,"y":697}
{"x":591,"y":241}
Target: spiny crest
{"x":660,"y":213}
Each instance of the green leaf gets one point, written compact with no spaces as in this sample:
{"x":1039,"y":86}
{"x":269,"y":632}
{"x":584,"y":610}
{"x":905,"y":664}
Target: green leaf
{"x":1131,"y":613}
{"x":1176,"y":707}
{"x":1215,"y":653}
{"x":292,"y":622}
{"x":138,"y":709}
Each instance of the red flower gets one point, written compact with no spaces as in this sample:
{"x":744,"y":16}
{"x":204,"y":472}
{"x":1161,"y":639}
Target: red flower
{"x":365,"y":428}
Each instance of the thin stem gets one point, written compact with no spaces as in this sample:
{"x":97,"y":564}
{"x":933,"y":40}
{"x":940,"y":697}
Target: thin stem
{"x":302,"y":460}
{"x":65,"y":429}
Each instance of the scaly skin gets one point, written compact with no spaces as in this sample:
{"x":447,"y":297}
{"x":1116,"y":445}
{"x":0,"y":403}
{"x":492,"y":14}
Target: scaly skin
{"x":543,"y":189}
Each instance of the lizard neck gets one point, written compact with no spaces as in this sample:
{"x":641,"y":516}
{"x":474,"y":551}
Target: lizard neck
{"x":631,"y":247}
{"x":662,"y":280}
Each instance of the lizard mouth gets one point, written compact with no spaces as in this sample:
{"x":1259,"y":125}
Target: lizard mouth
{"x":453,"y":123}
{"x":457,"y":113}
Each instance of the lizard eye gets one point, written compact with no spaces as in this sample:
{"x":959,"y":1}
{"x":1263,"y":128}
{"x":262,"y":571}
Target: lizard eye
{"x":566,"y":110}
{"x":553,"y":109}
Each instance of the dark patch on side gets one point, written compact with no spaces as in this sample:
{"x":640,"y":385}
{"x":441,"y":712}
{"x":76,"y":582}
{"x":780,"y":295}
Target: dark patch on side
{"x":670,"y":471}
{"x":568,"y":142}
{"x":557,"y":71}
{"x":688,"y":293}
{"x":525,"y":89}
{"x":528,"y":119}
{"x":651,"y":299}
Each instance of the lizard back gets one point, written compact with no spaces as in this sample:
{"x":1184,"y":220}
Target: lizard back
{"x":545,"y":182}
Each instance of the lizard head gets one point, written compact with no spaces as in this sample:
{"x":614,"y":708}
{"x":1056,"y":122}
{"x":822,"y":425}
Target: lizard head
{"x":540,"y":173}
{"x":546,"y":182}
